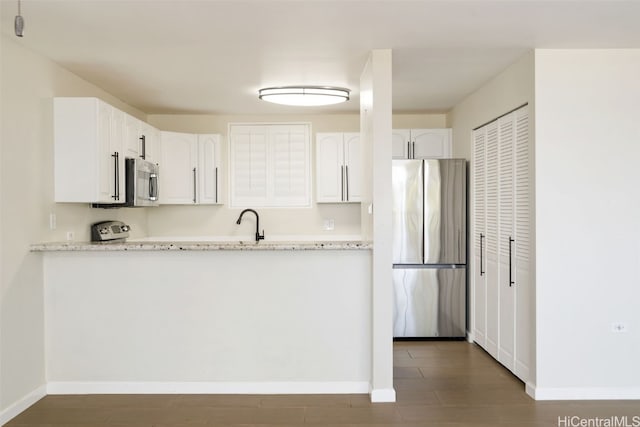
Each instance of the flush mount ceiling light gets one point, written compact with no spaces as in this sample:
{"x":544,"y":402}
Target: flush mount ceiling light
{"x":304,"y":95}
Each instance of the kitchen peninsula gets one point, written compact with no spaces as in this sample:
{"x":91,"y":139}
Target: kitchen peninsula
{"x":208,"y":317}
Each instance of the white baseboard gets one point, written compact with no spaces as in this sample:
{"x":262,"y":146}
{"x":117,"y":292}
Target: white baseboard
{"x":381,"y":395}
{"x":583,"y":393}
{"x":114,"y":387}
{"x":17,"y":407}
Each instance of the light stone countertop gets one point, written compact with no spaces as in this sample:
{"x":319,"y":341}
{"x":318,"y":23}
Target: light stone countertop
{"x":199,"y":246}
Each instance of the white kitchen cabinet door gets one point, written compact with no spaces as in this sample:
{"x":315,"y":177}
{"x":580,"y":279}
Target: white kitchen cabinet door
{"x":208,"y":170}
{"x":329,"y":167}
{"x":149,"y":143}
{"x":116,"y":143}
{"x":353,"y":167}
{"x":479,"y":239}
{"x":132,"y":135}
{"x":401,"y":144}
{"x":431,"y":143}
{"x":88,"y":161}
{"x":421,"y":143}
{"x":178,"y":176}
{"x":338,"y":167}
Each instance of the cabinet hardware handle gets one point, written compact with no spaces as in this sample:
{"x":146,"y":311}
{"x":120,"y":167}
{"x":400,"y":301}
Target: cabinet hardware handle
{"x":342,"y":183}
{"x":408,"y":149}
{"x":481,"y":264}
{"x":194,"y":185}
{"x":153,"y":187}
{"x":346,"y":173}
{"x":144,"y":147}
{"x":216,"y":185}
{"x":413,"y":150}
{"x":511,"y":282}
{"x":116,"y":176}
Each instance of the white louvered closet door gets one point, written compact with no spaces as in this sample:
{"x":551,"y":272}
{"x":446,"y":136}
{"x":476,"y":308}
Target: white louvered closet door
{"x":479,"y":237}
{"x":523,"y":243}
{"x":505,"y":240}
{"x":492,"y":271}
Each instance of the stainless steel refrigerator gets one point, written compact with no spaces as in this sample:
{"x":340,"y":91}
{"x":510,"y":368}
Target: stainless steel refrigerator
{"x":429,"y":248}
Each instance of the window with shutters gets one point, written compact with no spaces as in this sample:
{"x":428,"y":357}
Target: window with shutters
{"x":270,"y":165}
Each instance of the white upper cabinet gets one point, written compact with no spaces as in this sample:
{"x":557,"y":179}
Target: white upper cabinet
{"x":132,"y":134}
{"x":421,"y":143}
{"x":338,"y":170}
{"x":190,"y":168}
{"x":88,"y":151}
{"x":141,"y":140}
{"x":208,"y":171}
{"x":149,"y":147}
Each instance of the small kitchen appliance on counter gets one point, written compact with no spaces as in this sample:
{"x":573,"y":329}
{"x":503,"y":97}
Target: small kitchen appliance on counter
{"x":109,"y":231}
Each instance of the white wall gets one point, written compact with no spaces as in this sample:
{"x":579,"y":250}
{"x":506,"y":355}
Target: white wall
{"x":508,"y":90}
{"x":277,"y":321}
{"x":588,"y":223}
{"x":28,"y":83}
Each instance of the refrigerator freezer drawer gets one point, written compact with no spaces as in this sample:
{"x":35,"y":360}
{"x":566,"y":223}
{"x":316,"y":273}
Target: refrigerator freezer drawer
{"x":429,"y":302}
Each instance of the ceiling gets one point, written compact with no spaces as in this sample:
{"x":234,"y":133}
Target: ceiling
{"x":208,"y":56}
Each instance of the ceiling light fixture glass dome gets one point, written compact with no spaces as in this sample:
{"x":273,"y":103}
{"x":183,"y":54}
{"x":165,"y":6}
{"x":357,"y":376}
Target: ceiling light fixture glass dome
{"x":304,"y":95}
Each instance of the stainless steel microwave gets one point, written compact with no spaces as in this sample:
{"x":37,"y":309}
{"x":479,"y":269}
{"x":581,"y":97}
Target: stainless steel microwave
{"x":141,"y":181}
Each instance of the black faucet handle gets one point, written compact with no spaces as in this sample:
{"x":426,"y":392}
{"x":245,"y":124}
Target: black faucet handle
{"x":259,"y":236}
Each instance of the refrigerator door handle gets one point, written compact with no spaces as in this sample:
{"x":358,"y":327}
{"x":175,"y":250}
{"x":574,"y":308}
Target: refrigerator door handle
{"x":481,"y":264}
{"x":511,"y":282}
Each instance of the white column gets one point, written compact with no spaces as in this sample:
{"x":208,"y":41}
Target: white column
{"x":375,"y":128}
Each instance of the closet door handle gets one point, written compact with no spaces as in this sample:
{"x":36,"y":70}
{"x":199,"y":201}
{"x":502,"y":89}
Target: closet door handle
{"x":194,"y":185}
{"x":481,"y":263}
{"x":511,"y":282}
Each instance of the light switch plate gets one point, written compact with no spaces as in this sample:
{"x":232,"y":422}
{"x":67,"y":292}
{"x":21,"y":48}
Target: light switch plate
{"x":329,"y":224}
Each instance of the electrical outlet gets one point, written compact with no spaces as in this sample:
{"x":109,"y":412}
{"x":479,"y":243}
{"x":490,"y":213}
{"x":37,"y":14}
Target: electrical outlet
{"x":70,"y":235}
{"x":329,"y":224}
{"x":618,"y":327}
{"x":52,"y":221}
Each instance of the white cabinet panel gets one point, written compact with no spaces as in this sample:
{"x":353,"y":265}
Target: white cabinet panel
{"x":338,"y":167}
{"x":329,"y":167}
{"x":132,"y":135}
{"x":431,"y":143}
{"x":149,"y":143}
{"x":208,"y":182}
{"x":421,"y":143}
{"x":401,"y":144}
{"x":178,"y":173}
{"x":353,"y":167}
{"x":88,"y":157}
{"x":190,"y":170}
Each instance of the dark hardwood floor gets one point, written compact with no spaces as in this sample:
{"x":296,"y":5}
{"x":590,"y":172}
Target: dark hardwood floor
{"x":449,"y":384}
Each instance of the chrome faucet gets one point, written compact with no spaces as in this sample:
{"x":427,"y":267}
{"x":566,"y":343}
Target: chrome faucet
{"x":258,"y":235}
